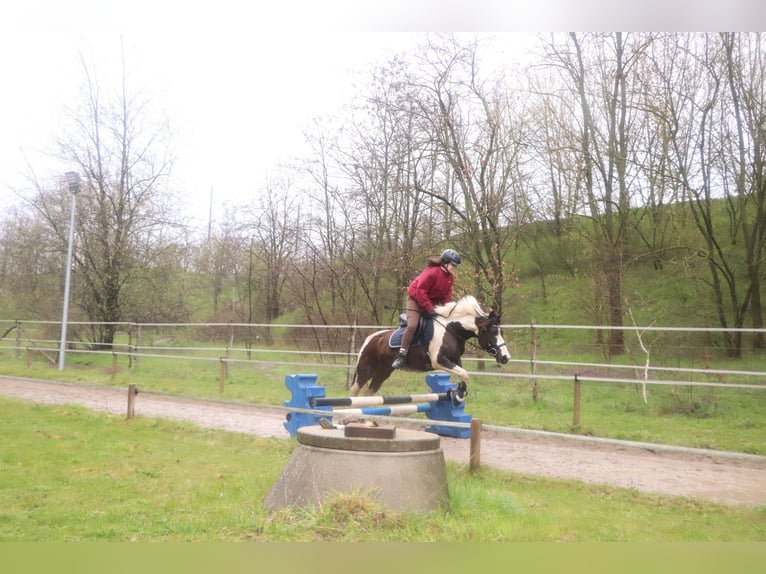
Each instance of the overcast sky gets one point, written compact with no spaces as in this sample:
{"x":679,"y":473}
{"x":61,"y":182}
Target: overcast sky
{"x":240,"y":80}
{"x":238,"y":94}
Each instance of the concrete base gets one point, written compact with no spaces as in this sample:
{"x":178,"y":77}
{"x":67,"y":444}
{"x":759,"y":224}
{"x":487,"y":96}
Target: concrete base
{"x":405,"y":473}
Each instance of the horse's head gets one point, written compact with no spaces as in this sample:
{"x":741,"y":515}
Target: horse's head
{"x":491,"y":337}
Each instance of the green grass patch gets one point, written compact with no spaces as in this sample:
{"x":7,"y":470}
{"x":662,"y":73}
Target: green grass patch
{"x":69,"y":474}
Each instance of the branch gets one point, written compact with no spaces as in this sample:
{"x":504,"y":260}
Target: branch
{"x":643,"y":347}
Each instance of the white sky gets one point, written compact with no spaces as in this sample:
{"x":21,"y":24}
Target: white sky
{"x":238,"y":94}
{"x":240,"y":80}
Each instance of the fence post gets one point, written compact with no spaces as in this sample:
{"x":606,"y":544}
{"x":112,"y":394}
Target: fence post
{"x":474,"y":458}
{"x":136,"y":347}
{"x":576,"y":416}
{"x":132,"y":392}
{"x":533,"y":363}
{"x":229,"y":346}
{"x":351,"y":351}
{"x":114,"y":364}
{"x":130,"y":347}
{"x":18,"y":339}
{"x":223,"y":374}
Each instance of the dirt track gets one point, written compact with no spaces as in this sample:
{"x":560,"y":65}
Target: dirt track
{"x":726,"y":479}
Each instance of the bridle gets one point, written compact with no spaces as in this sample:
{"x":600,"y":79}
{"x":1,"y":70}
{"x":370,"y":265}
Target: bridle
{"x":491,"y":349}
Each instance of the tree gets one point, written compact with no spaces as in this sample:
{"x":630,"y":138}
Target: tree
{"x":599,"y":70}
{"x":392,"y":224}
{"x":274,"y":238}
{"x":716,"y":123}
{"x":31,"y":281}
{"x":556,"y":189}
{"x":123,"y":156}
{"x":745,"y":73}
{"x":477,"y":145}
{"x":219,"y":260}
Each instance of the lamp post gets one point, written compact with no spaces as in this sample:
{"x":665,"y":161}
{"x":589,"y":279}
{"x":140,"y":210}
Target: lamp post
{"x":73,"y":180}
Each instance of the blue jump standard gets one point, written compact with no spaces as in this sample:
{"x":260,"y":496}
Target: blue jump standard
{"x":306,"y":394}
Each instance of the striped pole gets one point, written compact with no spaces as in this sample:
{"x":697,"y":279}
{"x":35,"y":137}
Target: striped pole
{"x":375,"y":400}
{"x":400,"y":410}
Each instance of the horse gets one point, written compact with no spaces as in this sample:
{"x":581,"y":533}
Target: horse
{"x":456,"y":322}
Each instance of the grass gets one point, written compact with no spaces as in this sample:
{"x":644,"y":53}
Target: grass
{"x":69,"y":474}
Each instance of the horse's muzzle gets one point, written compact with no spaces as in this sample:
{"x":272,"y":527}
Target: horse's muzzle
{"x":495,"y":352}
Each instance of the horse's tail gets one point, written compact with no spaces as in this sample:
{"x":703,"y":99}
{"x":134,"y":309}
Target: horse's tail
{"x":360,"y":379}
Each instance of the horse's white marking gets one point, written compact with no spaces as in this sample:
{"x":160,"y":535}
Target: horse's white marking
{"x":463,"y":311}
{"x":503,"y":348}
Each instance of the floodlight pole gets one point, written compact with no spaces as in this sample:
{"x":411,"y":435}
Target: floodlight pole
{"x":73,"y":179}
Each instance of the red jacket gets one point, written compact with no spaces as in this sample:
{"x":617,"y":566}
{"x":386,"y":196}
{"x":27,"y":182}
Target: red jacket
{"x":432,"y":287}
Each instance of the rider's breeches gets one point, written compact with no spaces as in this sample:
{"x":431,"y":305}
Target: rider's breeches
{"x":413,"y":318}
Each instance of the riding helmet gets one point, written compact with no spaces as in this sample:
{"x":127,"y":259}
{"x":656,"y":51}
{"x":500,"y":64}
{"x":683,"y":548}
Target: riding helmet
{"x":451,"y":256}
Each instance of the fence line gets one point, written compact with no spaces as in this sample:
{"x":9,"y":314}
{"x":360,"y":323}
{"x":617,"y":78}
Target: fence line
{"x":224,"y":353}
{"x":508,"y":326}
{"x":638,"y":328}
{"x":499,"y":374}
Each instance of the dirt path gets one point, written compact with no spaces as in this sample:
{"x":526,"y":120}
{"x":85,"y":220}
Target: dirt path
{"x":726,"y":479}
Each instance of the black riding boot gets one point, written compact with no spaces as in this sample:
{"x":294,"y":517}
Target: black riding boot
{"x":399,"y":361}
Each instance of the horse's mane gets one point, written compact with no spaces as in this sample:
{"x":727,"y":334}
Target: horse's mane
{"x":467,"y":305}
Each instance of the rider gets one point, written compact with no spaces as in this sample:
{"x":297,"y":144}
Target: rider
{"x":432,"y":287}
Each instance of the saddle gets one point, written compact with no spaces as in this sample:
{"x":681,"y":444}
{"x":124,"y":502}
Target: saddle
{"x":423,"y":334}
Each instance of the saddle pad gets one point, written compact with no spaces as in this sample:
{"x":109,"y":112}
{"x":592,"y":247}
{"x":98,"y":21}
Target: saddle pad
{"x":423,"y":335}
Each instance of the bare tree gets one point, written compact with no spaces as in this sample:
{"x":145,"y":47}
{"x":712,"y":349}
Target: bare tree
{"x":123,"y":155}
{"x":326,"y":239}
{"x":745,"y":75}
{"x":716,"y":123}
{"x":219,"y":259}
{"x":599,"y":69}
{"x":556,"y":188}
{"x":274,"y":239}
{"x":30,"y":260}
{"x":658,"y":225}
{"x":478,"y":145}
{"x":398,"y":223}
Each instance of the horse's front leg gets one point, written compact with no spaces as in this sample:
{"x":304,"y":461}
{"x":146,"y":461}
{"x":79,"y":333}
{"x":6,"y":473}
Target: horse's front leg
{"x":448,"y":365}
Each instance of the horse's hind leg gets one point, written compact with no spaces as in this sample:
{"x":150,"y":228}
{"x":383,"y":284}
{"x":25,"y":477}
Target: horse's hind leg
{"x":360,"y":380}
{"x":355,"y":387}
{"x":377,"y":380}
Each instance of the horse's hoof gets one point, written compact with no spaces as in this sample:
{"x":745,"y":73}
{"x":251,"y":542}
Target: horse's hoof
{"x":458,"y":395}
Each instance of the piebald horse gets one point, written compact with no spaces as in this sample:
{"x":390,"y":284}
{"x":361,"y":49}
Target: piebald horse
{"x":455,"y":323}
